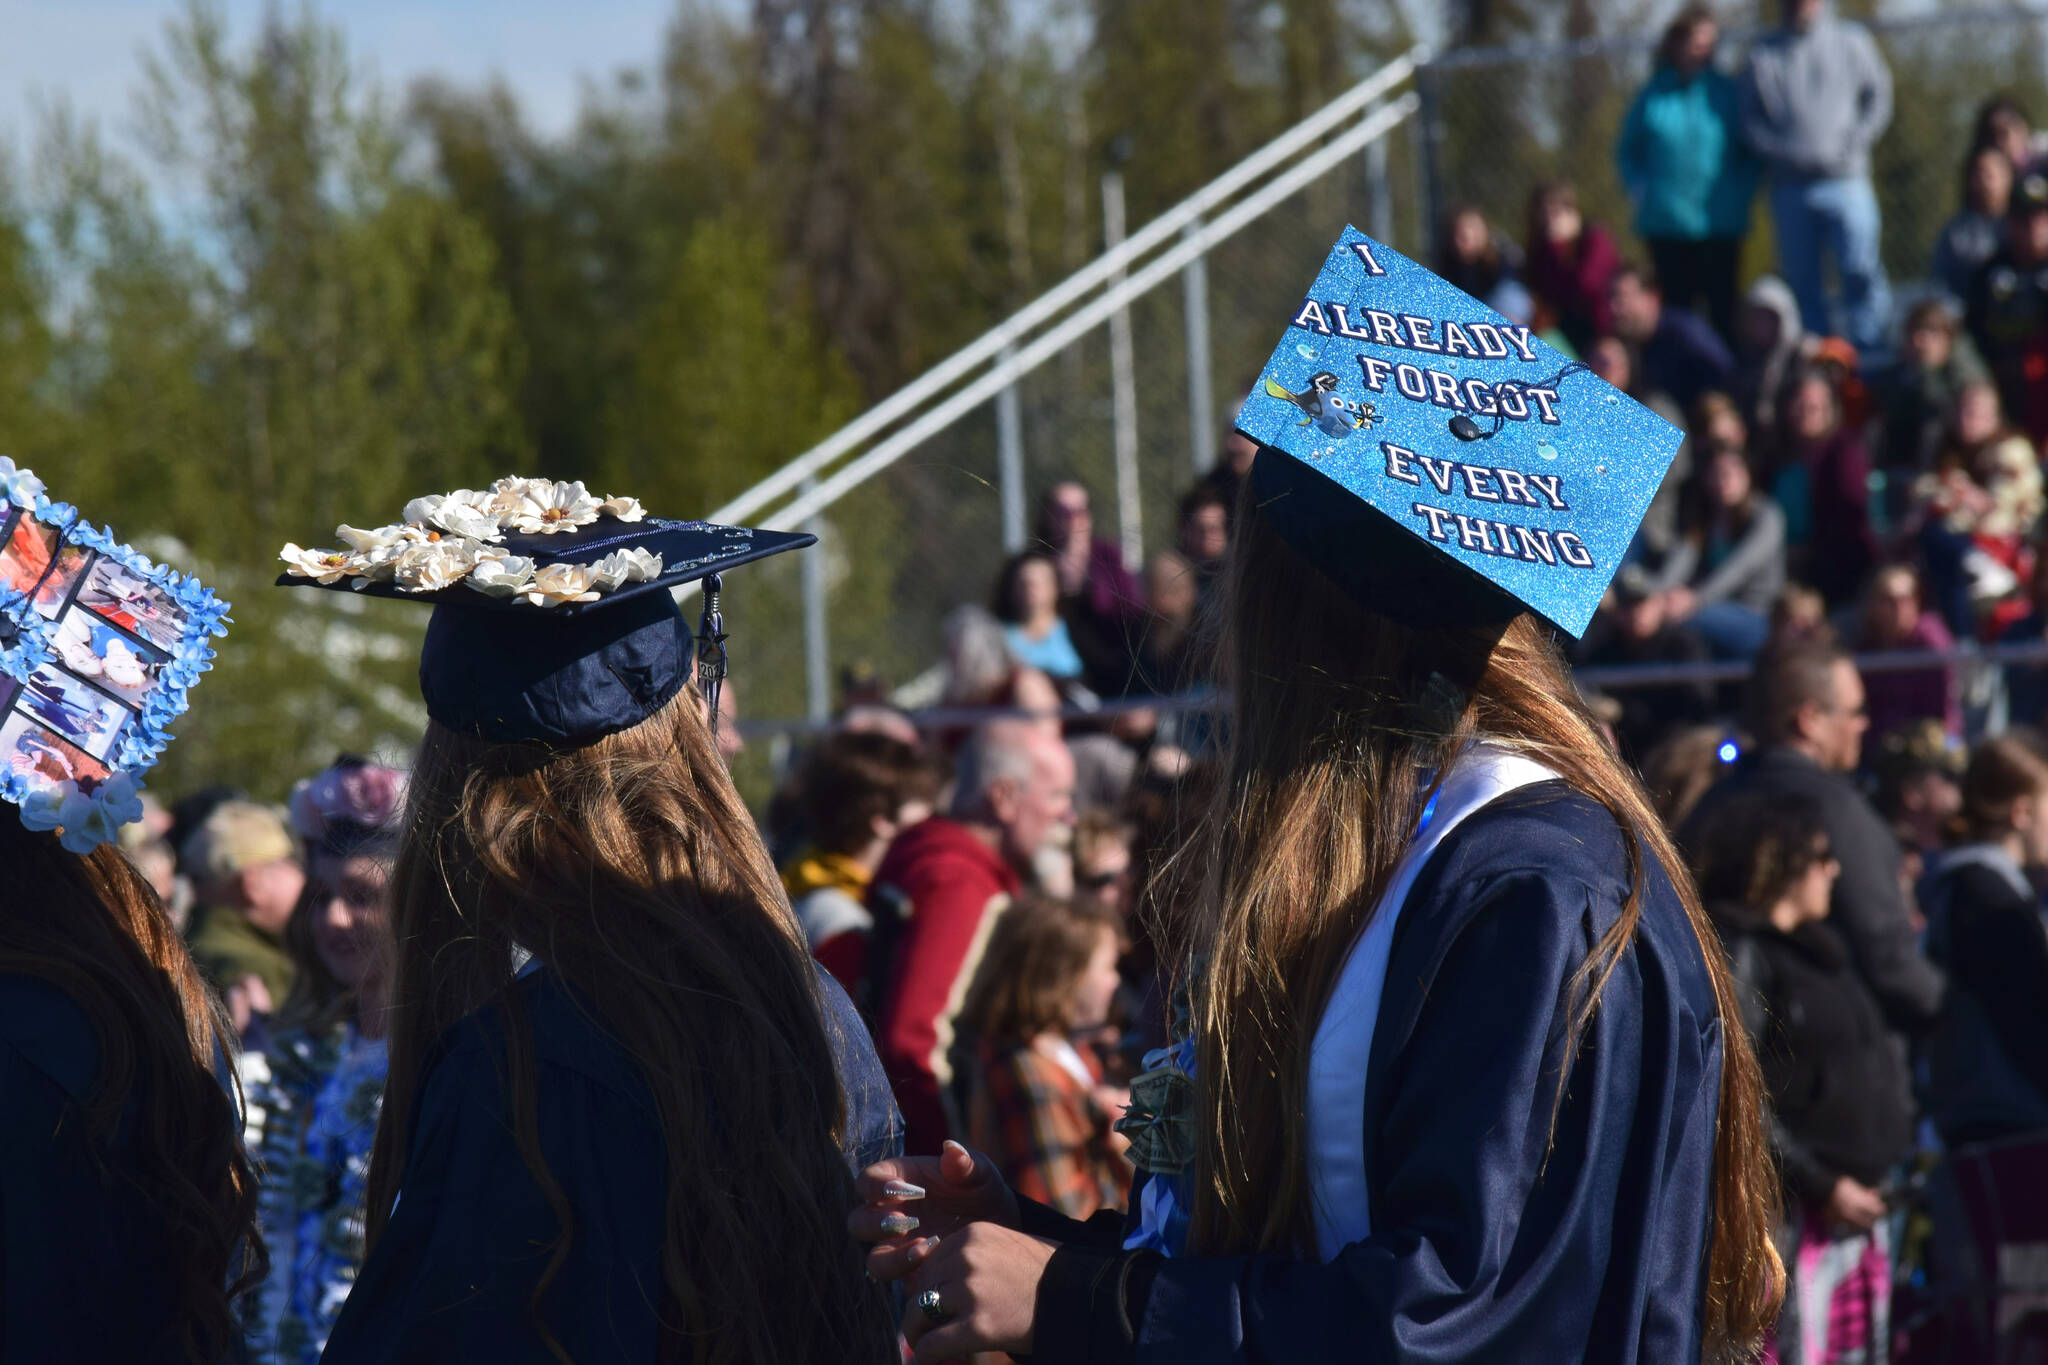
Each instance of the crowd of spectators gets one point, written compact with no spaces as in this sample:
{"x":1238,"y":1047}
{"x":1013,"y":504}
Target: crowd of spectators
{"x":984,"y":887}
{"x":1851,"y":480}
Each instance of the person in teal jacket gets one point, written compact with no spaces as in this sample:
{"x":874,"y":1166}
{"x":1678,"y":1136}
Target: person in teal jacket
{"x":1683,"y":161}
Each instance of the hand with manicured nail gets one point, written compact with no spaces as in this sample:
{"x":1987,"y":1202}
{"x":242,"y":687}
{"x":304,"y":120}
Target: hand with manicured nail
{"x":987,"y":1279}
{"x":932,"y":1197}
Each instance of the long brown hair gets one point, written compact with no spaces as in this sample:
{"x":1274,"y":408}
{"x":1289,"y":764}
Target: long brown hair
{"x":94,"y":929}
{"x":630,"y":867}
{"x":1036,"y":955}
{"x":1327,"y":754}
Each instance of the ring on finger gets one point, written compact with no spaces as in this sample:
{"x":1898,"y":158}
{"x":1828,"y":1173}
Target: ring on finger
{"x":928,"y":1304}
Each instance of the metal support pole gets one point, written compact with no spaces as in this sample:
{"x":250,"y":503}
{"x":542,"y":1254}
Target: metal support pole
{"x":817,"y":649}
{"x":1381,"y":212}
{"x":1123,"y":380}
{"x":1427,"y":129}
{"x":1010,"y":461}
{"x":1194,"y":287}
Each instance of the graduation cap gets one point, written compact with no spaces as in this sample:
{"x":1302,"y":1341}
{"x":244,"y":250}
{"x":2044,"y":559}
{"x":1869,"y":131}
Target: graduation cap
{"x":99,"y":646}
{"x":1441,"y":464}
{"x":555,"y":619}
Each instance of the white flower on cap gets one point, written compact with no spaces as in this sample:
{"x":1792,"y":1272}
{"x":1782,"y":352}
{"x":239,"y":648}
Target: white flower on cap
{"x":544,"y":507}
{"x":625,"y":509}
{"x":434,"y":566}
{"x":626,"y":566}
{"x":499,"y":574}
{"x":365,"y":542}
{"x":559,"y":583}
{"x":465,"y":512}
{"x":322,"y":566}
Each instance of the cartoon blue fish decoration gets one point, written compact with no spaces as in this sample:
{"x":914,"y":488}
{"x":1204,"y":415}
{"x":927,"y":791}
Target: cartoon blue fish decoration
{"x":1332,"y":414}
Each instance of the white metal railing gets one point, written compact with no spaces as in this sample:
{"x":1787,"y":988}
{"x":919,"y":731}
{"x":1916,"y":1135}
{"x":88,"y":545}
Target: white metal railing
{"x":992,"y":343}
{"x":990,"y":367}
{"x":1014,"y":367}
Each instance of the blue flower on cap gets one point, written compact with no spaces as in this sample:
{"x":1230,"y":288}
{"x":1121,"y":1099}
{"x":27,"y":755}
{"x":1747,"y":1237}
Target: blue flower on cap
{"x":19,"y":486}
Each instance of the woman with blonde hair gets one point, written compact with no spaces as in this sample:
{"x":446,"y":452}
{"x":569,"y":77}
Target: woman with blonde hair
{"x":624,"y":1106}
{"x":1457,"y":1075}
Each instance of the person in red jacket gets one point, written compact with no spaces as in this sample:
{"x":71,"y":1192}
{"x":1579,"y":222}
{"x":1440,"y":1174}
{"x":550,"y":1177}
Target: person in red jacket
{"x":1571,"y":263}
{"x":859,"y":790}
{"x":936,"y":897}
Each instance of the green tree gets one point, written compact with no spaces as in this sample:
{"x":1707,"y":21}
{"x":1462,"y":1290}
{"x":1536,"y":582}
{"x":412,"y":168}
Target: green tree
{"x":328,"y":341}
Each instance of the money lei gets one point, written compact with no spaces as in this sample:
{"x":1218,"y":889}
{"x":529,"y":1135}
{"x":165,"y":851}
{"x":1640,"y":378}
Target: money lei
{"x":1160,"y":1120}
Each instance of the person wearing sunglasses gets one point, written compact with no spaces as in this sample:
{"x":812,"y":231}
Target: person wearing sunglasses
{"x":1841,"y":1099}
{"x":1809,"y":712}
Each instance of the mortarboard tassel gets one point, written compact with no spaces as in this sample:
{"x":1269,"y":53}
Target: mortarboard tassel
{"x":711,"y":649}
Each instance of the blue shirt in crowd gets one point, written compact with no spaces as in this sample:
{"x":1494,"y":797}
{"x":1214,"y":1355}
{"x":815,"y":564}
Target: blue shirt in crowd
{"x":1682,"y":157}
{"x":1054,"y":655}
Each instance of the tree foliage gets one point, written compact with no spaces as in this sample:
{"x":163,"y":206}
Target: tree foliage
{"x":300,"y":300}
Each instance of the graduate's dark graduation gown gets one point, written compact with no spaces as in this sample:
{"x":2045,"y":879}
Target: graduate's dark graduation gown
{"x":453,"y":1276}
{"x":1482,"y":1250}
{"x":87,"y":1268}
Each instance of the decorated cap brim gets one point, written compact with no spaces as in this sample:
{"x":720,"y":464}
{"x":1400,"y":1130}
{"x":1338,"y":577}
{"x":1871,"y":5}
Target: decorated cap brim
{"x":689,"y":550}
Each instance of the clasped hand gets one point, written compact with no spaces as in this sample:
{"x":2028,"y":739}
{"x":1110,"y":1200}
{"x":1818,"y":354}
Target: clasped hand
{"x":948,"y":1223}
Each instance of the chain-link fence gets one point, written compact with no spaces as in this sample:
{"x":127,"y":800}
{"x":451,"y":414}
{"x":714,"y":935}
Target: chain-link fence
{"x":925,"y":536}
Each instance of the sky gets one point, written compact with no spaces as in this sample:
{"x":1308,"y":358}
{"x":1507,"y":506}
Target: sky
{"x":88,"y":52}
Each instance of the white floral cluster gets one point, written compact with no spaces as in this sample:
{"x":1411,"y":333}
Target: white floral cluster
{"x":453,"y":538}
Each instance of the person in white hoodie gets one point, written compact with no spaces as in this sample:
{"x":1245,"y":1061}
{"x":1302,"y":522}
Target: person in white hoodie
{"x":1816,"y":96}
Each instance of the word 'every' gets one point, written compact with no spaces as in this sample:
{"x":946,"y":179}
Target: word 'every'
{"x":1483,"y":533}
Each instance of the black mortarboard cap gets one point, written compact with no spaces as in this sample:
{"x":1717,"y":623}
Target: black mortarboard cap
{"x":559,"y":631}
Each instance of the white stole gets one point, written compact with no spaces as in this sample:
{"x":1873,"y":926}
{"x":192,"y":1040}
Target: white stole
{"x":1342,"y":1051}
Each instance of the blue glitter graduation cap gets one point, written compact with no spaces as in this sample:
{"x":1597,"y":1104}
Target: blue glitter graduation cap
{"x":1442,"y":464}
{"x":554,"y":618}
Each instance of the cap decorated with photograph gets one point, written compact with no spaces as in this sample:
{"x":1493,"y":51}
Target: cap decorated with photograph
{"x":1421,"y":440}
{"x":99,"y":647}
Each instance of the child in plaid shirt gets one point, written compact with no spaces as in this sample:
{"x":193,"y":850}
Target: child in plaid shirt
{"x":1035,"y":1098}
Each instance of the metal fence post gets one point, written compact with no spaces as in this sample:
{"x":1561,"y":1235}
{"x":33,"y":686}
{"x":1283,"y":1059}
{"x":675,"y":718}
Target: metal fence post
{"x":1194,"y":288}
{"x":1381,"y":210}
{"x":1426,"y":130}
{"x":1123,"y":379}
{"x":1010,"y":460}
{"x":817,"y":662}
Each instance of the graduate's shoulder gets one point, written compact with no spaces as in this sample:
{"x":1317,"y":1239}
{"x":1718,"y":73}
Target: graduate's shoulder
{"x":572,"y":1046}
{"x":48,"y":1035}
{"x":1557,"y":858}
{"x":1552,"y":849}
{"x":1549,"y":830}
